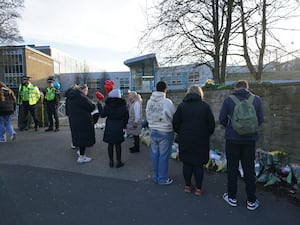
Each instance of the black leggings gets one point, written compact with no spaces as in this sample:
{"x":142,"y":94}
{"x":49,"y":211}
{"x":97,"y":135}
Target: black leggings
{"x":82,"y":150}
{"x":190,"y":170}
{"x":111,"y":151}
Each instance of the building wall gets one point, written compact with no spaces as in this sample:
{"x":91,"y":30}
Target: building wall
{"x":280,"y":131}
{"x":17,"y":61}
{"x":38,"y":66}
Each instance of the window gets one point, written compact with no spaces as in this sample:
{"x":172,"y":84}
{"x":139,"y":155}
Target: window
{"x":193,"y":78}
{"x":124,"y":83}
{"x":172,"y":79}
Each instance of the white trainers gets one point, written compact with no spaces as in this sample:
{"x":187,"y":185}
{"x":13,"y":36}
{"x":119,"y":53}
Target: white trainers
{"x":83,"y":159}
{"x":253,"y":205}
{"x":13,"y":137}
{"x":230,"y":201}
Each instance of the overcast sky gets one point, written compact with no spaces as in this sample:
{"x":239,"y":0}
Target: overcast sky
{"x":102,"y":32}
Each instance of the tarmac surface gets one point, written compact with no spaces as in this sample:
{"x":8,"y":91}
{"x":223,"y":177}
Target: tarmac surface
{"x":42,"y":184}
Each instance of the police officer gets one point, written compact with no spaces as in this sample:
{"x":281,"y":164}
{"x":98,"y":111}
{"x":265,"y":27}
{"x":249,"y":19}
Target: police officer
{"x":28,"y":96}
{"x":51,"y":98}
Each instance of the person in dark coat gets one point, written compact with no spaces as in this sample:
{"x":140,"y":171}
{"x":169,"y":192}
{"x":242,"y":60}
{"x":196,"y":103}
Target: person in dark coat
{"x":116,"y":113}
{"x":79,"y":109}
{"x":194,"y":123}
{"x":240,"y":147}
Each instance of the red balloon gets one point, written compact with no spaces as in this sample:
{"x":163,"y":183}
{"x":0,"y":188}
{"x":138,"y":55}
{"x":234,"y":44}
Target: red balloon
{"x":99,"y":95}
{"x":109,"y":82}
{"x":109,"y":85}
{"x":108,"y":88}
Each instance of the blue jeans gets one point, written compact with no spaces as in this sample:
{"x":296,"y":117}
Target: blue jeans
{"x":161,"y":148}
{"x":5,"y":125}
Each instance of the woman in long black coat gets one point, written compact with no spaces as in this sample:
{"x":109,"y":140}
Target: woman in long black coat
{"x":115,"y":110}
{"x":79,"y":109}
{"x":194,"y":122}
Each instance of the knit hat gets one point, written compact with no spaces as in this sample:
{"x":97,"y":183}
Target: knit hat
{"x":115,"y":93}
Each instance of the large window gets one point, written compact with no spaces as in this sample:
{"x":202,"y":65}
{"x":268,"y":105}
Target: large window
{"x":193,"y":78}
{"x":174,"y":79}
{"x":13,"y":67}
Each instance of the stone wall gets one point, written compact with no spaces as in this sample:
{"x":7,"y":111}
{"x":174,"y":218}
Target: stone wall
{"x":281,"y":107}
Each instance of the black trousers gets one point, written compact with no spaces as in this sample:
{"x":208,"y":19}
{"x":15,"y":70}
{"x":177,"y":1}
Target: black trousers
{"x":30,"y":108}
{"x":189,"y":170}
{"x":244,"y":152}
{"x":52,"y":111}
{"x":111,"y":152}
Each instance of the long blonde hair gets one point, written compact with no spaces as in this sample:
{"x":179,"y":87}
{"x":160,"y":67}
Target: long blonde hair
{"x":196,"y":89}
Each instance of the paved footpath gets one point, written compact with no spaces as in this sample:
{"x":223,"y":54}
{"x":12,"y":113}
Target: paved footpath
{"x":42,"y":184}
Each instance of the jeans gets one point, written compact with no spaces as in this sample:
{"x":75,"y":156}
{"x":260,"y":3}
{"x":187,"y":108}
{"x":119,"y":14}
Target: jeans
{"x":244,"y":151}
{"x":5,"y":126}
{"x":161,"y":148}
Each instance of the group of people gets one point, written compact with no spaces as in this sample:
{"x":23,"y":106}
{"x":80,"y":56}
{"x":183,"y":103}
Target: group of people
{"x":120,"y":118}
{"x":194,"y":123}
{"x":27,"y":98}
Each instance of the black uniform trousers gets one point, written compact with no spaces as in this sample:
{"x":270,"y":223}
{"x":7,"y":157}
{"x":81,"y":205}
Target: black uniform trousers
{"x":52,"y":111}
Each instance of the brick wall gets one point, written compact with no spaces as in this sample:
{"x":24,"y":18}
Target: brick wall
{"x":281,"y":107}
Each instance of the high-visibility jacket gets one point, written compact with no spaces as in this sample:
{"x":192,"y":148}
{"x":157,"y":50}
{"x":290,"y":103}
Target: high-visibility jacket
{"x":30,"y":93}
{"x":50,"y":94}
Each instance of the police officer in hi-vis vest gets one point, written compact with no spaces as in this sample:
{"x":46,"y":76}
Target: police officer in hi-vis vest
{"x":28,"y":96}
{"x":51,"y":98}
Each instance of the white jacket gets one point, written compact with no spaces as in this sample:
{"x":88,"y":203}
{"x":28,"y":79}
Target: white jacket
{"x":159,"y":112}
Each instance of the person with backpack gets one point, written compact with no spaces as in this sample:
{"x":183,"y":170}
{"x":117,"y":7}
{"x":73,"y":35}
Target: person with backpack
{"x":241,"y":114}
{"x":7,"y":108}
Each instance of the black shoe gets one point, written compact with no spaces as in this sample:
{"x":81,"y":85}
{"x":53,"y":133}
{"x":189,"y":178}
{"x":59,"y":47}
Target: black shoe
{"x":111,"y":164}
{"x":134,"y":150}
{"x":36,"y":128}
{"x":56,"y":130}
{"x":119,"y":164}
{"x":131,"y":148}
{"x":49,"y":129}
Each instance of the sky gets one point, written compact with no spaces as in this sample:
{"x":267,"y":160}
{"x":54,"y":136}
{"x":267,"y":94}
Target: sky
{"x":104,"y":33}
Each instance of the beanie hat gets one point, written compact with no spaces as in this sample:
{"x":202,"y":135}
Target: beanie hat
{"x":115,"y":93}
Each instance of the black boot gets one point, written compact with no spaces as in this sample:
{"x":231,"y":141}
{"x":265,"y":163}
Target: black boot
{"x":49,"y":129}
{"x":136,"y":147}
{"x":118,"y":150}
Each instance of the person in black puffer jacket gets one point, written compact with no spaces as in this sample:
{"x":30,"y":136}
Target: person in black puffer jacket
{"x":79,"y":109}
{"x":116,"y":113}
{"x":194,"y":122}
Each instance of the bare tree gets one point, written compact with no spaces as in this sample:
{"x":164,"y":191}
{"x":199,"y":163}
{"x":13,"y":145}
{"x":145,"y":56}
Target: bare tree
{"x":191,"y":31}
{"x":9,"y":13}
{"x":258,"y":21}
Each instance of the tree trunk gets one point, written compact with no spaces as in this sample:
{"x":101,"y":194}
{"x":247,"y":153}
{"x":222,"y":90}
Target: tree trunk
{"x":263,"y":44}
{"x":226,"y":41}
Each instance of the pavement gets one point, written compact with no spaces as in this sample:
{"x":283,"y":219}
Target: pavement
{"x":42,"y":184}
